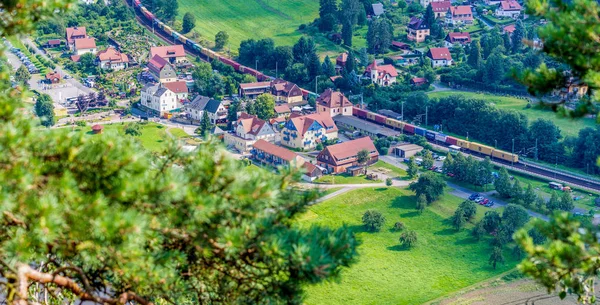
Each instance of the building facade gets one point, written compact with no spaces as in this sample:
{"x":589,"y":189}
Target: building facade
{"x":174,"y":54}
{"x":161,"y":70}
{"x":111,"y":58}
{"x":247,"y":130}
{"x":333,"y":103}
{"x":305,"y":132}
{"x":382,"y":75}
{"x":417,"y":30}
{"x":440,"y":57}
{"x":509,"y":8}
{"x":85,"y":45}
{"x":458,"y":15}
{"x":217,"y":112}
{"x":339,"y":157}
{"x":159,"y":99}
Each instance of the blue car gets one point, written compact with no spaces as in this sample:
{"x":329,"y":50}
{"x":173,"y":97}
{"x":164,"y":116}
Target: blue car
{"x":473,"y":196}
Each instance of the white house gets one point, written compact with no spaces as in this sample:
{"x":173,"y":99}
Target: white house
{"x":160,"y":99}
{"x":217,"y":113}
{"x":111,"y":58}
{"x":248,"y":130}
{"x":384,"y":75}
{"x":85,"y":45}
{"x":180,"y":89}
{"x":439,"y":57}
{"x":509,"y":8}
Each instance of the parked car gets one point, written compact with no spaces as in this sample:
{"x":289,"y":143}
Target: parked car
{"x":439,"y":170}
{"x":473,"y":196}
{"x":489,"y":204}
{"x":484,"y":201}
{"x":441,"y":158}
{"x":450,"y":174}
{"x":479,"y":199}
{"x":433,"y":168}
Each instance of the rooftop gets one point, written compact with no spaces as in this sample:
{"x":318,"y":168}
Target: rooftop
{"x":275,"y":150}
{"x":439,"y":54}
{"x":168,"y":51}
{"x":351,"y":148}
{"x":366,"y":126}
{"x":85,"y":43}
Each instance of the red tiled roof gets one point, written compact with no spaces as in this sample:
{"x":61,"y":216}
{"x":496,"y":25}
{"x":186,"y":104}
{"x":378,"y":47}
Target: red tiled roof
{"x":85,"y":43}
{"x":342,"y":57}
{"x":75,"y":32}
{"x":419,"y":80}
{"x":383,"y":70}
{"x":351,"y":148}
{"x":168,"y":51}
{"x":400,"y":45}
{"x":509,"y":28}
{"x":156,"y":64}
{"x":255,"y":85}
{"x":54,"y":41}
{"x":302,"y":123}
{"x":275,"y":150}
{"x":510,"y":5}
{"x":441,"y":6}
{"x":439,"y":54}
{"x":251,"y":123}
{"x":285,"y":88}
{"x":75,"y":58}
{"x":282,"y":109}
{"x":332,"y":99}
{"x":111,"y":54}
{"x":462,"y":37}
{"x":53,"y":75}
{"x":461,"y":10}
{"x":177,"y":86}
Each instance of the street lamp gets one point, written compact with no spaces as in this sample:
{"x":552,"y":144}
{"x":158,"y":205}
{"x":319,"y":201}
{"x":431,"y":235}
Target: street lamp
{"x":512,"y":159}
{"x":256,"y":65}
{"x":496,"y":144}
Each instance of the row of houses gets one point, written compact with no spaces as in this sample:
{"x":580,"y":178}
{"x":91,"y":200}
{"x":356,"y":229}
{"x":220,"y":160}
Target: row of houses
{"x":80,"y":43}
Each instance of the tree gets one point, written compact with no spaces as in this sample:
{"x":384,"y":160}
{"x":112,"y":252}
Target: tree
{"x":205,"y":125}
{"x":448,"y":164}
{"x":554,"y":203}
{"x":413,"y":168}
{"x":303,"y":50}
{"x":189,"y":22}
{"x":529,"y":197}
{"x":106,"y":221}
{"x":546,"y":135}
{"x":327,"y":13}
{"x":388,"y":182}
{"x":478,"y":231}
{"x":507,"y":41}
{"x":399,"y":226}
{"x":517,"y":36}
{"x":566,"y":202}
{"x":328,"y":68}
{"x":350,"y":62}
{"x":427,"y":160}
{"x":514,"y":217}
{"x":221,"y":39}
{"x":379,"y":36}
{"x":458,"y":219}
{"x":133,"y":130}
{"x":502,"y":184}
{"x":363,"y":57}
{"x":22,"y":76}
{"x":363,"y":157}
{"x":313,"y":65}
{"x":430,"y":185}
{"x":537,"y":237}
{"x":44,"y":109}
{"x":474,"y":59}
{"x":297,"y":73}
{"x":516,"y":190}
{"x":494,"y":68}
{"x":491,"y":221}
{"x":265,"y":106}
{"x":347,"y":33}
{"x":232,"y":111}
{"x":496,"y":257}
{"x":283,"y":57}
{"x":469,"y":208}
{"x":421,"y":203}
{"x":408,"y":238}
{"x":429,"y":16}
{"x":373,"y":220}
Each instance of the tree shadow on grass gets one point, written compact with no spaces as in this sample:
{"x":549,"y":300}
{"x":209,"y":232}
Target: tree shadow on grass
{"x":359,"y":229}
{"x":398,"y":248}
{"x":410,"y":214}
{"x":446,"y":231}
{"x":466,"y":241}
{"x":381,"y":189}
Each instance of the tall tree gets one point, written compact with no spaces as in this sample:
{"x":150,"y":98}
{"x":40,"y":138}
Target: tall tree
{"x":517,"y":36}
{"x":474,"y":59}
{"x":469,"y":208}
{"x":379,"y":36}
{"x":205,"y":125}
{"x":265,"y":106}
{"x":507,"y":41}
{"x":427,"y":160}
{"x":566,"y":202}
{"x":363,"y":157}
{"x":44,"y":109}
{"x":349,"y":12}
{"x":303,"y":49}
{"x":494,"y":68}
{"x":413,"y":168}
{"x":491,"y":221}
{"x":328,"y":67}
{"x":458,"y":219}
{"x":232,"y":111}
{"x":22,"y":76}
{"x":221,"y":39}
{"x":313,"y":65}
{"x":429,"y":16}
{"x":496,"y":257}
{"x":189,"y":22}
{"x":350,"y":62}
{"x":327,"y":14}
{"x":347,"y":33}
{"x":429,"y":184}
{"x":502,"y":183}
{"x":421,"y":203}
{"x":514,"y":217}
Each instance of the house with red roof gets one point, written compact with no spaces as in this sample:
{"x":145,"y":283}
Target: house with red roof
{"x":270,"y":154}
{"x":382,"y":75}
{"x":417,"y":30}
{"x":425,"y":3}
{"x":174,"y":54}
{"x":180,"y":89}
{"x":461,"y":14}
{"x":306,"y":131}
{"x":74,"y":33}
{"x":400,"y":46}
{"x":418,"y":81}
{"x":509,"y":8}
{"x":283,"y":111}
{"x":247,"y":130}
{"x":508,"y":29}
{"x":85,"y":45}
{"x":53,"y":43}
{"x":53,"y":77}
{"x":333,"y":103}
{"x":462,"y":38}
{"x":253,"y":90}
{"x":286,"y":92}
{"x":161,"y":70}
{"x":441,"y":8}
{"x":439,"y":57}
{"x":339,"y":158}
{"x":111,"y":58}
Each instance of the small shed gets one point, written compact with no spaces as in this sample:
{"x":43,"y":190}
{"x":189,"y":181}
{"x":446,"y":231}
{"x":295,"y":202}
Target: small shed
{"x":97,"y":129}
{"x":53,"y":77}
{"x":406,"y":150}
{"x":53,"y":43}
{"x":355,"y":170}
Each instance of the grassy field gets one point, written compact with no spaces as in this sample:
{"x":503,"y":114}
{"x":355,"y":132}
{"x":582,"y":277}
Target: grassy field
{"x":251,"y":19}
{"x":344,"y":179}
{"x":567,"y":126}
{"x":388,"y":169}
{"x":386,"y":273}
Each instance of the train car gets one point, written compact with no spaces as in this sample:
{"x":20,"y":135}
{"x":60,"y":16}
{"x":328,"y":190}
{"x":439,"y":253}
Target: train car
{"x":480,"y":148}
{"x":440,"y":137}
{"x":409,"y":128}
{"x":205,"y":51}
{"x":197,"y":47}
{"x":371,"y":116}
{"x":168,"y":30}
{"x":462,"y":143}
{"x":380,"y":119}
{"x":505,"y":156}
{"x":451,"y":141}
{"x":147,"y":14}
{"x":229,"y":62}
{"x":430,"y":134}
{"x":137,"y":3}
{"x":420,"y":131}
{"x":190,"y":43}
{"x":359,"y":113}
{"x":182,"y":39}
{"x":394,"y":124}
{"x":212,"y":54}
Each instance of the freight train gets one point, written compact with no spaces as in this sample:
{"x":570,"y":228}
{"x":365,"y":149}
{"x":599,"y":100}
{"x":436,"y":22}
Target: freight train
{"x":197,"y":48}
{"x":434,"y":136}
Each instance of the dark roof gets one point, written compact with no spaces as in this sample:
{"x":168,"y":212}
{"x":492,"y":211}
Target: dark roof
{"x":198,"y":103}
{"x":377,"y":9}
{"x":417,"y":24}
{"x":212,"y":106}
{"x":160,"y":91}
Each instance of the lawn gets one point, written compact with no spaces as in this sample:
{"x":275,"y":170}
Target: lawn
{"x":567,"y":126}
{"x":256,"y":19}
{"x":344,"y":179}
{"x":386,"y":273}
{"x":388,"y":169}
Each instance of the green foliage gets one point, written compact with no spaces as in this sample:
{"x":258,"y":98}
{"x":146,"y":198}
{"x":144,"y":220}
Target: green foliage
{"x":408,"y":238}
{"x":430,"y":185}
{"x":189,"y":22}
{"x":399,"y":226}
{"x":232,"y":111}
{"x":328,"y":68}
{"x":44,"y":109}
{"x":554,"y":203}
{"x":379,"y":36}
{"x":265,"y":106}
{"x":474,"y":59}
{"x":205,"y":125}
{"x":491,"y":221}
{"x":421,"y":203}
{"x":327,"y":12}
{"x":413,"y":168}
{"x":514,"y":217}
{"x":469,"y":208}
{"x":388,"y":181}
{"x":517,"y":37}
{"x":221,"y":39}
{"x":133,"y":129}
{"x":363,"y":156}
{"x":516,"y":190}
{"x":427,"y":160}
{"x":458,"y":219}
{"x":478,"y":231}
{"x":496,"y":257}
{"x":566,"y":202}
{"x":502,"y":184}
{"x":350,"y":62}
{"x":22,"y":76}
{"x":373,"y":220}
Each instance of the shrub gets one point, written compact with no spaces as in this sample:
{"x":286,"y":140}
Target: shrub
{"x":81,"y":123}
{"x":408,"y":238}
{"x":399,"y":226}
{"x":388,"y":181}
{"x":373,"y":220}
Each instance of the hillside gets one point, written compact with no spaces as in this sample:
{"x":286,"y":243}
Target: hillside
{"x":257,"y":19}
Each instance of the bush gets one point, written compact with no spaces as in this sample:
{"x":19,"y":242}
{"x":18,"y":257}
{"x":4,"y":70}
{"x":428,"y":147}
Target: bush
{"x":373,"y":220}
{"x":399,"y":226}
{"x":81,"y":123}
{"x":388,"y":181}
{"x":408,"y":238}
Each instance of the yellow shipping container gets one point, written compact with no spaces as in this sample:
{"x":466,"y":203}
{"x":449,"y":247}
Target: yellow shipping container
{"x":476,"y":147}
{"x":462,"y":143}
